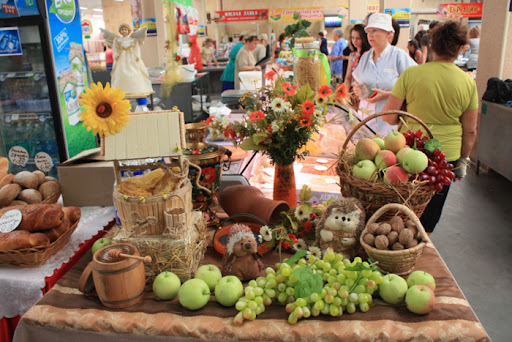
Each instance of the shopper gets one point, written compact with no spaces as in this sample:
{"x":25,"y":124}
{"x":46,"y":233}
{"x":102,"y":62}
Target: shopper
{"x":323,"y":43}
{"x":228,"y":75}
{"x":415,"y":51}
{"x":446,"y":99}
{"x":336,"y":57}
{"x":109,"y":56}
{"x":425,"y":43}
{"x":378,"y":70}
{"x":278,"y":46}
{"x":474,"y":46}
{"x":228,"y":46}
{"x":208,"y":53}
{"x":359,"y":44}
{"x":245,"y":59}
{"x":396,"y":34}
{"x":260,"y":52}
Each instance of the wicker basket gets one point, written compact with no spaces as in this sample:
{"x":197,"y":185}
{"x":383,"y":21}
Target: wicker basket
{"x":399,"y":262}
{"x":177,"y":221}
{"x":36,"y":256}
{"x":374,"y":195}
{"x":52,"y":199}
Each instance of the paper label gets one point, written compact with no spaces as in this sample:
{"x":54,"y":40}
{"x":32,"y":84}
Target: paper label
{"x":18,"y":155}
{"x":10,"y":221}
{"x":43,"y":161}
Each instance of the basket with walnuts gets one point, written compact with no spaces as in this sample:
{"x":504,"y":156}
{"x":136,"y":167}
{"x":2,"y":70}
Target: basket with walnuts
{"x":396,"y":243}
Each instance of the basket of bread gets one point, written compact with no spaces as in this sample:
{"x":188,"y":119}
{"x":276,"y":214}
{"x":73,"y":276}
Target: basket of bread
{"x":395,"y":243}
{"x":28,"y":187}
{"x":40,"y":231}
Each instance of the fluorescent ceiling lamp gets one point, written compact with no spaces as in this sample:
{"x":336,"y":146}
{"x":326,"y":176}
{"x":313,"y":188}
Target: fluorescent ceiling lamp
{"x":97,"y":16}
{"x":97,"y":10}
{"x":84,"y":8}
{"x":119,"y":0}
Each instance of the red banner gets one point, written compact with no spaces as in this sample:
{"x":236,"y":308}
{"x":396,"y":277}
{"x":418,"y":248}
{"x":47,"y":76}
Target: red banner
{"x":466,"y":10}
{"x":241,"y":15}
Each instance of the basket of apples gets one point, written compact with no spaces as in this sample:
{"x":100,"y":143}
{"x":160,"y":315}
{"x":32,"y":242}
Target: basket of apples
{"x":401,"y":168}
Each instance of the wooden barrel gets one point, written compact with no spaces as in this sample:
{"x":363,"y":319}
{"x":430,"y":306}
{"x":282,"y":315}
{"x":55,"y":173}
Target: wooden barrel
{"x":119,"y":282}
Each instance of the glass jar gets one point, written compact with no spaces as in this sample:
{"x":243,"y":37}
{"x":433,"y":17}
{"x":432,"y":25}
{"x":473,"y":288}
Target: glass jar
{"x":307,"y":67}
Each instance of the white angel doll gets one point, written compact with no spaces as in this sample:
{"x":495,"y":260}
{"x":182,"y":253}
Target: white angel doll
{"x":129,"y":72}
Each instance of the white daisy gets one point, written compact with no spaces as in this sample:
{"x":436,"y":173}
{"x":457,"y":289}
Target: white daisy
{"x":315,"y":251}
{"x":225,"y":122}
{"x":266,"y":233}
{"x":300,"y":245}
{"x":260,"y":238}
{"x":275,"y":126}
{"x":302,"y":212}
{"x":278,"y":105}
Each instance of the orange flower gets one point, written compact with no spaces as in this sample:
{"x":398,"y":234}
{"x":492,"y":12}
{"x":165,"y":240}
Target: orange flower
{"x":209,"y":120}
{"x":341,"y":91}
{"x":270,"y":75}
{"x":229,"y":133}
{"x":305,"y":121}
{"x":308,"y":108}
{"x":324,"y":91}
{"x":257,"y":116}
{"x":289,"y":89}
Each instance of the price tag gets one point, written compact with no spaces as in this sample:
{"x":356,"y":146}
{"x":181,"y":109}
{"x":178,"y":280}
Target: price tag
{"x":43,"y":161}
{"x":10,"y":221}
{"x":18,"y":155}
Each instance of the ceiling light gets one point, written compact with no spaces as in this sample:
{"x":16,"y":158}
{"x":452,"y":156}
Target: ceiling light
{"x":97,"y":10}
{"x":119,"y":0}
{"x":97,"y":16}
{"x":84,"y":8}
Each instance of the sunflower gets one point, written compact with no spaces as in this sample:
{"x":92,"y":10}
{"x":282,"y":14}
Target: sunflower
{"x":106,"y":111}
{"x":300,"y":245}
{"x":315,"y":251}
{"x":324,"y":91}
{"x":266,"y":233}
{"x":278,"y":105}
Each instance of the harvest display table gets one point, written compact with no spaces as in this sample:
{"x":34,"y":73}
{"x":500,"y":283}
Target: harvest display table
{"x":65,"y":314}
{"x":23,"y":287}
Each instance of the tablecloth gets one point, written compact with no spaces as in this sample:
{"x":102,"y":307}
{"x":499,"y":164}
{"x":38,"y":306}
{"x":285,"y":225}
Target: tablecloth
{"x":64,"y":313}
{"x":21,"y":287}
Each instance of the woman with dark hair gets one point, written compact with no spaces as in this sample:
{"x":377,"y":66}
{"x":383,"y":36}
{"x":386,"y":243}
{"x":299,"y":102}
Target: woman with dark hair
{"x":323,"y":43}
{"x":278,"y":46}
{"x":414,"y":51}
{"x":396,"y":34}
{"x":359,"y":45}
{"x":446,"y":99}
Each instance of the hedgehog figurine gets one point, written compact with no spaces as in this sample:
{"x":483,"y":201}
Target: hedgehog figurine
{"x":340,"y":226}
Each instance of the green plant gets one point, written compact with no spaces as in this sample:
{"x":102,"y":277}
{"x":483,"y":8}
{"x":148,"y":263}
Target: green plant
{"x":297,"y":30}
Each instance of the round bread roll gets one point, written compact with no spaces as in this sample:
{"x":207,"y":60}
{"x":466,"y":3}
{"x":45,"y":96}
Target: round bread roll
{"x":17,"y":202}
{"x":40,"y":176}
{"x":2,"y":174}
{"x":7,"y":179}
{"x":47,"y":189}
{"x":26,"y":179}
{"x":50,"y":178}
{"x":8,"y":193}
{"x":30,"y":196}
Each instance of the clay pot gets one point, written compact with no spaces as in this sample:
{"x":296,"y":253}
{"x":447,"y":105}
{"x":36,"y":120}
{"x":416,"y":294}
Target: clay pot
{"x":246,"y":199}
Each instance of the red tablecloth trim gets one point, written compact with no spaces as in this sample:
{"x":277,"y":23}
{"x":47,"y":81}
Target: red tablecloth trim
{"x":8,"y":325}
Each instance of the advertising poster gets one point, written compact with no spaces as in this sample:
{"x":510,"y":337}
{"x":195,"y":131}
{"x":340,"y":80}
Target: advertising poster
{"x":356,"y":21}
{"x":241,"y":15}
{"x":10,"y":44}
{"x":343,"y":12}
{"x":136,"y":12}
{"x":150,"y":23}
{"x":71,"y":70}
{"x":8,"y":9}
{"x":286,"y":15}
{"x":201,"y":30}
{"x":27,"y":7}
{"x":373,"y":8}
{"x":401,"y":15}
{"x":464,"y":10}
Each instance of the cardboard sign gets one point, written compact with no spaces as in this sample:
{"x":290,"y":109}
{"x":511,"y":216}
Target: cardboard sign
{"x":287,"y":15}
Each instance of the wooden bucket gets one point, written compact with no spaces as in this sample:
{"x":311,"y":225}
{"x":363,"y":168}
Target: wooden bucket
{"x":119,"y":282}
{"x":177,"y":220}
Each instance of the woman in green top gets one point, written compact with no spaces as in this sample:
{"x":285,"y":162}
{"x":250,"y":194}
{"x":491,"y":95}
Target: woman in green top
{"x":228,"y":76}
{"x":446,"y":99}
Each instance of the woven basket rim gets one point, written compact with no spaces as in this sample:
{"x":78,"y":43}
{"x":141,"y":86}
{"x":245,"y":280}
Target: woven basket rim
{"x":52,"y":199}
{"x":154,"y":198}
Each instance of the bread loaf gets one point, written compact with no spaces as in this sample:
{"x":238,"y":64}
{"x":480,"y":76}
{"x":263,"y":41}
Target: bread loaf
{"x":30,"y":196}
{"x":40,"y":176}
{"x":54,"y":233}
{"x":26,"y":179}
{"x":7,"y":179}
{"x":73,"y":214}
{"x":18,"y":239}
{"x":8,"y":193}
{"x":37,"y":217}
{"x":47,"y":189}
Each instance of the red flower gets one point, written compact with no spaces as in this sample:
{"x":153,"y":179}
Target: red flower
{"x":300,"y":234}
{"x":307,"y":226}
{"x":286,"y":245}
{"x":341,"y":91}
{"x":195,"y":152}
{"x":177,"y":58}
{"x":289,"y":89}
{"x":229,"y":133}
{"x":305,"y":121}
{"x":312,"y":215}
{"x":270,"y":75}
{"x":308,"y":108}
{"x":291,"y":236}
{"x":269,"y":128}
{"x":209,"y":175}
{"x":209,"y":120}
{"x":324,"y":91}
{"x":257,"y":116}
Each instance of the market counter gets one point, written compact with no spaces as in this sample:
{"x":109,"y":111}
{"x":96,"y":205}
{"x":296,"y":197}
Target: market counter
{"x":215,"y":84}
{"x":65,"y":314}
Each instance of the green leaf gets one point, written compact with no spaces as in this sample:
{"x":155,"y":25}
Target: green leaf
{"x":305,"y":193}
{"x":307,"y":283}
{"x":296,"y":16}
{"x":287,"y":218}
{"x":256,"y":138}
{"x":305,"y":93}
{"x":295,"y":257}
{"x":432,"y":144}
{"x":249,"y":145}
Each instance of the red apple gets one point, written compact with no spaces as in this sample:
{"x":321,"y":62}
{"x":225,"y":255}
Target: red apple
{"x":420,"y":299}
{"x":366,"y":149}
{"x":396,"y":175}
{"x":385,"y":159}
{"x":395,"y":142}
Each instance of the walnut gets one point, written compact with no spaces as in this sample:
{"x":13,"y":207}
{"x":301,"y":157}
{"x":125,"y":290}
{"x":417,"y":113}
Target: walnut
{"x":397,"y":246}
{"x":405,"y":236}
{"x":392,"y":237}
{"x":396,"y":219}
{"x":410,"y":223}
{"x":369,"y":239}
{"x":372,"y":228}
{"x":413,"y":243}
{"x":381,"y":242}
{"x":384,"y":228}
{"x":397,"y":226}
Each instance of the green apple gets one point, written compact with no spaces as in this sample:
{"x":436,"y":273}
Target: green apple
{"x":210,"y":274}
{"x":194,"y":294}
{"x":99,"y":244}
{"x":394,"y":142}
{"x":379,"y":142}
{"x":366,"y":149}
{"x":415,"y":162}
{"x":393,"y":288}
{"x":420,"y":299}
{"x":166,"y":285}
{"x":401,"y":154}
{"x":365,"y":169}
{"x":385,"y":159}
{"x":228,"y":290}
{"x":421,"y":278}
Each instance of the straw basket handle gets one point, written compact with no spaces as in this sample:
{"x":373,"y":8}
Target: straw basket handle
{"x":407,"y":211}
{"x":371,"y":117}
{"x":183,"y":203}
